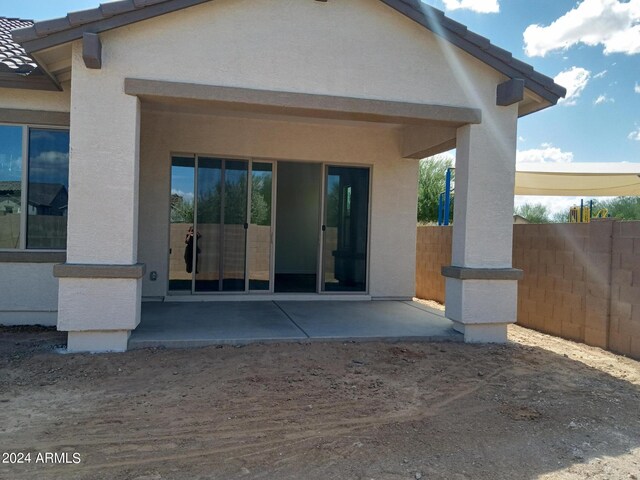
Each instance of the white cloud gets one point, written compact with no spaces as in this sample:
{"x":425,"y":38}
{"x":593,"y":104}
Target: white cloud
{"x":614,"y":24}
{"x":636,"y":88}
{"x":187,"y":196}
{"x":574,"y":80}
{"x":635,"y":135}
{"x":603,"y":99}
{"x":547,"y":153}
{"x":480,"y":6}
{"x":600,"y":75}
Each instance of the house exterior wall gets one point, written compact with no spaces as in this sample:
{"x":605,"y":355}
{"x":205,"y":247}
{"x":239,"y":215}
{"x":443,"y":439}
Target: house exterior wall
{"x":29,"y":294}
{"x":29,"y":290}
{"x":393,"y":193}
{"x":16,"y":98}
{"x":352,"y":48}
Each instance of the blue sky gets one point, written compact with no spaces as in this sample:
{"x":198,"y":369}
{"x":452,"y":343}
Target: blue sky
{"x":592,"y":47}
{"x":601,"y":123}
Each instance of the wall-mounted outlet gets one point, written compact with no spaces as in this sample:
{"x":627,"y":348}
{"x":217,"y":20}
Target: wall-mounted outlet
{"x":153,"y":276}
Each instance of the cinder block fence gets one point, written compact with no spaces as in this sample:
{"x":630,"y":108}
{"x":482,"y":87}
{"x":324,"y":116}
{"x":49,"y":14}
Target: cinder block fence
{"x":581,"y":281}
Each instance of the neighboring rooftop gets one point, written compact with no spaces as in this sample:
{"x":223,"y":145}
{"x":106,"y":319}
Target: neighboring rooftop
{"x":49,"y":33}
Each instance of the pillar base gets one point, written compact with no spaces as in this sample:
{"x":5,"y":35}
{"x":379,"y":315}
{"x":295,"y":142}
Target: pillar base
{"x":98,"y":341}
{"x":482,"y":333}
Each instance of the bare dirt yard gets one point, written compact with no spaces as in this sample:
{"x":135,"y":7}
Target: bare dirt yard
{"x":539,"y":407}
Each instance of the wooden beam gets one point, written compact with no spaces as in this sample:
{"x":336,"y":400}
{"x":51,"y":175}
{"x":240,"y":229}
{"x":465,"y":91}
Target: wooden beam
{"x":510,"y":92}
{"x":305,"y":105}
{"x":92,"y":50}
{"x":420,"y":141}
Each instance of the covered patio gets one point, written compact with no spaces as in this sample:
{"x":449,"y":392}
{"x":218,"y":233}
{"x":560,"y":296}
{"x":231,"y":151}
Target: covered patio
{"x":196,"y":324}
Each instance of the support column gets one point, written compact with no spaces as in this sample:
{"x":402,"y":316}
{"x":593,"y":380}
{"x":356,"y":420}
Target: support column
{"x":481,"y":285}
{"x":100,"y":285}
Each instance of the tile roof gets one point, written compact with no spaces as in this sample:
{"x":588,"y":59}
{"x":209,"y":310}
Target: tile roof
{"x":10,"y":186}
{"x":13,"y":58}
{"x":124,"y":12}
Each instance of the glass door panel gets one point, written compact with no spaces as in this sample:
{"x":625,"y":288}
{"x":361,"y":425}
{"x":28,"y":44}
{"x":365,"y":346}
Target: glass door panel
{"x":234,"y":215}
{"x":209,"y":199}
{"x":181,"y":242}
{"x":209,"y":232}
{"x":345,"y":229}
{"x":260,"y":232}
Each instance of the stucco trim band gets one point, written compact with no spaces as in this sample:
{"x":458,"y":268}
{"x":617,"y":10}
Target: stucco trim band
{"x":32,"y":256}
{"x":77,"y":270}
{"x":35,"y":117}
{"x":465,"y":273}
{"x":304,"y":104}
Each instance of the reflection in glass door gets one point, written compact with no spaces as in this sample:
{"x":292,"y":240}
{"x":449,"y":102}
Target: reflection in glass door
{"x":221,"y":225}
{"x":209,"y":198}
{"x":345,"y":229}
{"x":260,"y":233}
{"x":209,"y":212}
{"x":235,"y":174}
{"x":181,"y":246}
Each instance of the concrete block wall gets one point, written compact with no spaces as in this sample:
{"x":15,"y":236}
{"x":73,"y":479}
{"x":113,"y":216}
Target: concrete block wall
{"x":581,"y":281}
{"x":552,"y":294}
{"x":624,"y":327}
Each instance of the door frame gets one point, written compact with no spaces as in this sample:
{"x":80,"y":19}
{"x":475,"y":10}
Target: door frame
{"x":270,"y":293}
{"x":325,"y":174}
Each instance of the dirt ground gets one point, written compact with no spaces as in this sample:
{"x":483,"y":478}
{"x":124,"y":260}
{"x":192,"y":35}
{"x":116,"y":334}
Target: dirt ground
{"x":539,"y":407}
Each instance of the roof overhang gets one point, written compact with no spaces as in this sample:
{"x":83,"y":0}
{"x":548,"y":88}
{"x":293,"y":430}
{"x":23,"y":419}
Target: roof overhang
{"x":543,"y":91}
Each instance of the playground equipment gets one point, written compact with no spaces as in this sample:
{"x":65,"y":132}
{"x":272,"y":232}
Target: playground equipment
{"x":444,"y":201}
{"x":584,"y":214}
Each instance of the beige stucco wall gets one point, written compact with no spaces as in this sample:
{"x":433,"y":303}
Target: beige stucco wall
{"x":29,"y":294}
{"x":356,"y":48}
{"x":36,"y":100}
{"x":29,"y":291}
{"x":394,"y":181}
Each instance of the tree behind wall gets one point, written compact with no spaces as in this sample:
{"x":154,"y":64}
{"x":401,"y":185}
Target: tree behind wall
{"x":623,"y":208}
{"x":431,"y":183}
{"x":534,"y":212}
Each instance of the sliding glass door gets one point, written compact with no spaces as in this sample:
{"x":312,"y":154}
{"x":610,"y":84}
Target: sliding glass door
{"x":209,"y":222}
{"x":181,"y":222}
{"x":345,"y":230}
{"x":222,"y":227}
{"x":260,"y":227}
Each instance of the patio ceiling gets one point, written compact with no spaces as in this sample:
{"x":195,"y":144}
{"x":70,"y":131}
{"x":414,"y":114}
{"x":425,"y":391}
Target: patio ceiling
{"x":426,"y":129}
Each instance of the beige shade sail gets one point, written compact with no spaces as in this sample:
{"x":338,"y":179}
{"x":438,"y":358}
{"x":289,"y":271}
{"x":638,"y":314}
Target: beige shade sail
{"x":578,"y":179}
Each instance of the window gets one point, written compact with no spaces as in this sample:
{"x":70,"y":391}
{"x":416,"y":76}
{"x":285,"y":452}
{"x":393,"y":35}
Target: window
{"x":34,"y":186}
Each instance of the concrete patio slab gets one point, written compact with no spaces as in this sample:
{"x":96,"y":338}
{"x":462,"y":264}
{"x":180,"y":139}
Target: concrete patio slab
{"x":183,"y":325}
{"x":380,"y":320}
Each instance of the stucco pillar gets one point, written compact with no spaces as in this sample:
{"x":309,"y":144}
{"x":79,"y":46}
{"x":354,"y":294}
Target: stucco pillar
{"x":100,"y":285}
{"x":481,"y":285}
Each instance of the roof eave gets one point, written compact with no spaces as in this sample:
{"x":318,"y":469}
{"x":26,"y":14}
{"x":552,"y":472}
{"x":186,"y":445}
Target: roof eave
{"x":479,"y":47}
{"x":36,"y":80}
{"x":67,"y":29}
{"x":51,"y":33}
